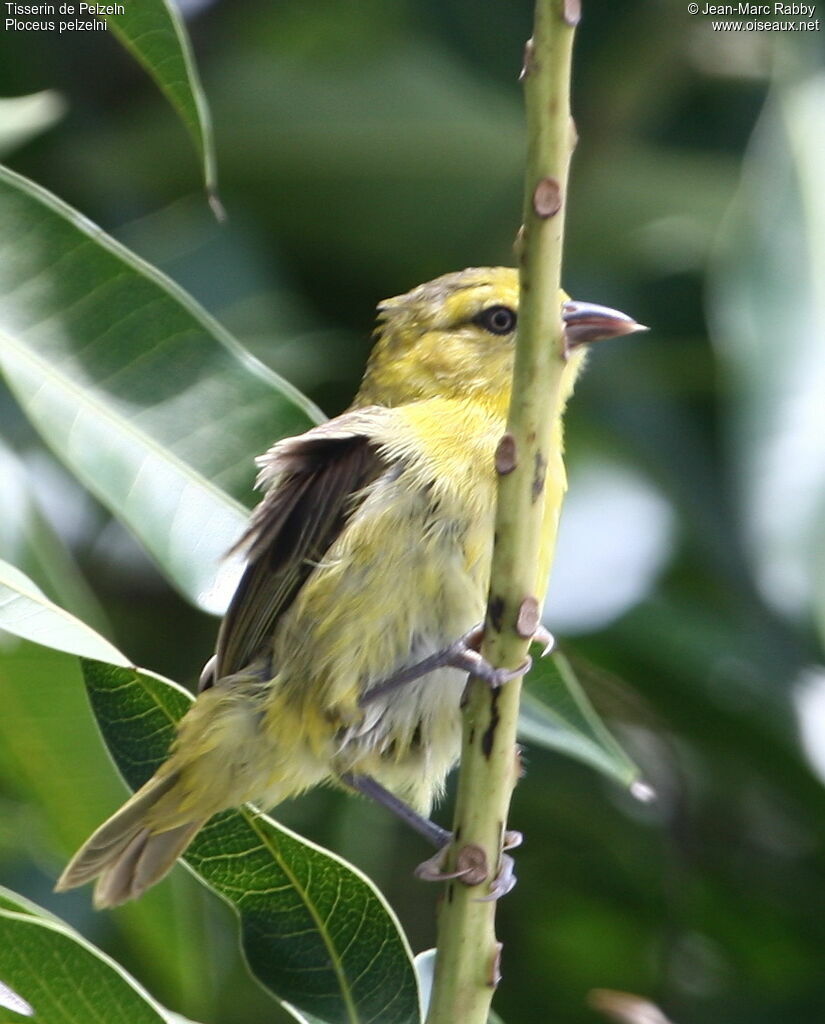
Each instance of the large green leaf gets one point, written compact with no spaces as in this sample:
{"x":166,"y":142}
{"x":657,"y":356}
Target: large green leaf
{"x":23,"y":117}
{"x":767,"y":308}
{"x":10,"y":1000}
{"x":28,"y":541}
{"x":556,"y":714}
{"x":313,"y":929}
{"x":51,"y":758}
{"x":154,"y":32}
{"x":28,"y":613}
{"x":143,"y":395}
{"x":64,"y":979}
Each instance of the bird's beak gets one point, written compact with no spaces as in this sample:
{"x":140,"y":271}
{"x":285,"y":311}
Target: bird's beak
{"x":585,"y":322}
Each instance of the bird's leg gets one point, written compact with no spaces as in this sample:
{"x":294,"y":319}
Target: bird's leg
{"x":463,"y":654}
{"x":366,"y":785}
{"x":432,"y":870}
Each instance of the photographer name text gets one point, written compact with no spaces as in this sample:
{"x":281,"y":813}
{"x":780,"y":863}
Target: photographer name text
{"x":758,"y":10}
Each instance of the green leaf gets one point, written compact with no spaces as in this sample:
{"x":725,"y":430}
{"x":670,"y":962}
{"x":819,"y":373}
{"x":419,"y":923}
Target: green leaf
{"x":23,"y":117}
{"x":62,"y":978}
{"x":154,"y":32}
{"x":52,"y":759}
{"x":151,"y":404}
{"x":49,"y":747}
{"x":10,"y":1000}
{"x":28,"y":541}
{"x":314,"y":930}
{"x":425,"y":969}
{"x":19,"y":904}
{"x":767,"y":308}
{"x":556,"y":714}
{"x":302,"y":1018}
{"x":28,"y":613}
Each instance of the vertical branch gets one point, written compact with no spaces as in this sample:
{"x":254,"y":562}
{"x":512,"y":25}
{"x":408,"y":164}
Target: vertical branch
{"x":467,"y":962}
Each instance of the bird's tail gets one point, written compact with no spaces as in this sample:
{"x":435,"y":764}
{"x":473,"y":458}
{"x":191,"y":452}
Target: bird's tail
{"x":127,"y":854}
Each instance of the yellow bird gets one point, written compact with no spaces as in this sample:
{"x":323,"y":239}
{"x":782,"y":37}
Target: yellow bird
{"x":345,"y":650}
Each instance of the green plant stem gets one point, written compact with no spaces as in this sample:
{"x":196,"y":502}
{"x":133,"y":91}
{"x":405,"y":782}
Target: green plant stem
{"x":467,"y":962}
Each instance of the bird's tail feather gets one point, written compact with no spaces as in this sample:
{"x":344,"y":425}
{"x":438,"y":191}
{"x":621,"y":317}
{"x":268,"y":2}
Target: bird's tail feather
{"x":126,"y":855}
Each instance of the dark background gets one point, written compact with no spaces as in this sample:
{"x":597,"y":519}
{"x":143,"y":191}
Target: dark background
{"x":364,"y":147}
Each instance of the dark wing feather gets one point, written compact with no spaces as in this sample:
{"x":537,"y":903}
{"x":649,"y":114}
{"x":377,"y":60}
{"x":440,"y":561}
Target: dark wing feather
{"x":316,"y":476}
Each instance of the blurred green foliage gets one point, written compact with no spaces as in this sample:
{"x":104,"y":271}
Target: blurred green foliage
{"x":363,"y":148}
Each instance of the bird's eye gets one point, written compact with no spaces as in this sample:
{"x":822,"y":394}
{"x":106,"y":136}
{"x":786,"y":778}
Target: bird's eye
{"x":497,"y":319}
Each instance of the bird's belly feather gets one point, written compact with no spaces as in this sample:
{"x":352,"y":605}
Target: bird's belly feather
{"x":350,"y":629}
{"x":377,"y":603}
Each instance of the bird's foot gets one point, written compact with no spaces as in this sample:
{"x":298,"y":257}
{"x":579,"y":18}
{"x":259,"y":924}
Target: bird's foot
{"x":471,"y":867}
{"x":543,"y":636}
{"x":465,"y":654}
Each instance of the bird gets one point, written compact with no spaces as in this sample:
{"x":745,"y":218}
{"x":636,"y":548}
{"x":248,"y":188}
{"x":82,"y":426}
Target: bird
{"x":344,"y":652}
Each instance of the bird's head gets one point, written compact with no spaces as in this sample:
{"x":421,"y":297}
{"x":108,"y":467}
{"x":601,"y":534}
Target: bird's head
{"x":454,"y":338}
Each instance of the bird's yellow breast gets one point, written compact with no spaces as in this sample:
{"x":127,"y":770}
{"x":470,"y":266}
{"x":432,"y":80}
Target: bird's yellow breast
{"x":406,"y":577}
{"x":413,"y":557}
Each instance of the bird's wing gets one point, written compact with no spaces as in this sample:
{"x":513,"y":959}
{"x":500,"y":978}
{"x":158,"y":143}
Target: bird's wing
{"x":312,"y":485}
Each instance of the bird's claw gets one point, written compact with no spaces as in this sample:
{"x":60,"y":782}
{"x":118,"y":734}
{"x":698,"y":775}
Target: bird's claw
{"x":471,"y":867}
{"x":543,"y":636}
{"x":432,"y":869}
{"x":478,"y":666}
{"x":504,"y":881}
{"x":464,"y":654}
{"x":512,"y":839}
